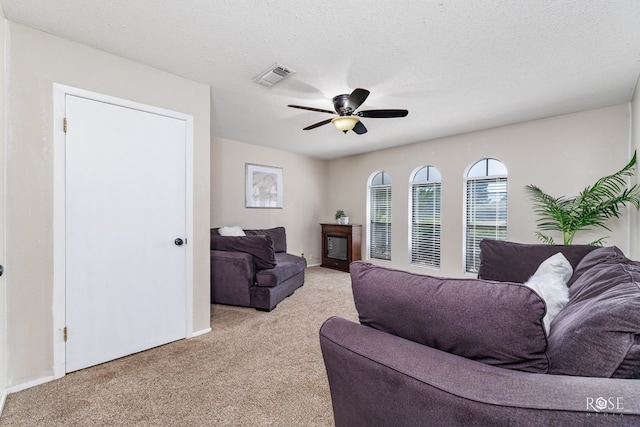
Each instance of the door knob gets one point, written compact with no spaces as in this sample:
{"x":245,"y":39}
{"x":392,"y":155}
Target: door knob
{"x":179,"y":242}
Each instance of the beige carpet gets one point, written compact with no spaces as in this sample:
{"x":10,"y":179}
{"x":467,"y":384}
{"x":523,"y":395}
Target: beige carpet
{"x":253,"y":369}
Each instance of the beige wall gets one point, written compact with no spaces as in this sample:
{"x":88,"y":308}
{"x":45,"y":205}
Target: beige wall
{"x":3,"y":307}
{"x":634,"y":218}
{"x":35,"y":62}
{"x":561,"y":155}
{"x":304,"y":182}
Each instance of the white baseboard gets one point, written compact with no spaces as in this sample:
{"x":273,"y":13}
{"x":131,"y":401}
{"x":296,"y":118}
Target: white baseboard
{"x":3,"y":399}
{"x":24,"y":386}
{"x":314,"y":265}
{"x":202,"y":332}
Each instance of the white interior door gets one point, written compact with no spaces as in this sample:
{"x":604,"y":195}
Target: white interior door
{"x":125,"y":208}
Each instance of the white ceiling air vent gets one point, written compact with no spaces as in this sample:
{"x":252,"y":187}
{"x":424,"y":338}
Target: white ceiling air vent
{"x":273,"y":75}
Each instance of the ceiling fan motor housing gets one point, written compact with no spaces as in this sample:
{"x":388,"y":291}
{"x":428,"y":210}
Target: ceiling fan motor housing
{"x":339,"y":102}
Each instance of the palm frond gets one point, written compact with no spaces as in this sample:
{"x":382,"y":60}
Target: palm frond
{"x":598,"y":242}
{"x":608,"y":188}
{"x":546,"y":239}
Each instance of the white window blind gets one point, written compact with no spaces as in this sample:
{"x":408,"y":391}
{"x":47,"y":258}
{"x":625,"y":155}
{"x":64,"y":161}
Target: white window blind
{"x":426,"y":219}
{"x":380,"y":217}
{"x":486,"y":216}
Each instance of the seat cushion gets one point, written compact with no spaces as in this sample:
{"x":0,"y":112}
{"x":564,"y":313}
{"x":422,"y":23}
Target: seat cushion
{"x":597,"y":334}
{"x":287,"y":266}
{"x":516,"y":262}
{"x":498,"y":323}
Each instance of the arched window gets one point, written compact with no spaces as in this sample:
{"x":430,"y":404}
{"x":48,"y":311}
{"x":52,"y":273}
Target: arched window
{"x":380,"y":216}
{"x":485,"y":208}
{"x":425,"y":217}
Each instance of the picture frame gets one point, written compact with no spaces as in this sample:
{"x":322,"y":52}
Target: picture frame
{"x":263,"y":186}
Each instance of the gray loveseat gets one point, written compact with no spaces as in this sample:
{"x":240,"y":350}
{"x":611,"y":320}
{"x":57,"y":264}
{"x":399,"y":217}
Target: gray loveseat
{"x":254,"y":270}
{"x":432,"y":351}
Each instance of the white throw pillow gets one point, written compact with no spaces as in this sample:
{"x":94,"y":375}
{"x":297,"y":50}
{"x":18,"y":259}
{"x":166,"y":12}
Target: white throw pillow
{"x":234,"y":230}
{"x":550,"y":282}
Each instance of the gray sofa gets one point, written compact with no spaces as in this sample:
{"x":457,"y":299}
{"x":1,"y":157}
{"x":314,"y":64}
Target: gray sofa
{"x":434,"y":351}
{"x":254,"y":270}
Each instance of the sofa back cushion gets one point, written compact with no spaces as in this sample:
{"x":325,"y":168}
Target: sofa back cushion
{"x":277,"y":235}
{"x":516,"y":262}
{"x":597,"y":334}
{"x":497,"y":323}
{"x":260,"y":246}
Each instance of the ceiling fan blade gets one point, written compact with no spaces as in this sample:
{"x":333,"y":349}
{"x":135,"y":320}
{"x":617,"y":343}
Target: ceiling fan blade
{"x":315,"y":125}
{"x":382,"y":114}
{"x":319,"y":110}
{"x":357,"y":97}
{"x":359,"y":128}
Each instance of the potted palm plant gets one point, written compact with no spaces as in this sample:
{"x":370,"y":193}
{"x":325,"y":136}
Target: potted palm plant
{"x":592,"y":208}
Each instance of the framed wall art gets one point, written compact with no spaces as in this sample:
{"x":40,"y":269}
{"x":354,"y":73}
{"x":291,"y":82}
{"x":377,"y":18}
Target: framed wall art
{"x":263,"y":186}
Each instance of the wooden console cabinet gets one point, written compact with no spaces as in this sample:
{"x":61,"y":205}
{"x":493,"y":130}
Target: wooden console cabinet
{"x":340,"y":245}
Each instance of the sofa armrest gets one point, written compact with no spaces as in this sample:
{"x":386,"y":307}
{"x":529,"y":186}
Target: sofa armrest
{"x":380,"y":379}
{"x":232,"y":274}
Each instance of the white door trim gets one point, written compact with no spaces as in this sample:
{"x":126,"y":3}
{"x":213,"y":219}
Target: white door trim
{"x":59,"y":154}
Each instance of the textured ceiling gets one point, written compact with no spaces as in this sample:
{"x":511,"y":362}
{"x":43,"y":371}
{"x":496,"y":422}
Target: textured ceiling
{"x":457,"y":66}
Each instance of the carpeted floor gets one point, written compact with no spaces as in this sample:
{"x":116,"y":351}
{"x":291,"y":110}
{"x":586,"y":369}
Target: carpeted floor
{"x":253,"y":369}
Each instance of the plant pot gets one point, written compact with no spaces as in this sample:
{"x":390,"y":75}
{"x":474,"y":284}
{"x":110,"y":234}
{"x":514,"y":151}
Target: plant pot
{"x":343,"y":220}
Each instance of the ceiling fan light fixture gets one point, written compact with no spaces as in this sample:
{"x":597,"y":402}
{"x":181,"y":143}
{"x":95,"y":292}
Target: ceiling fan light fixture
{"x":345,"y":123}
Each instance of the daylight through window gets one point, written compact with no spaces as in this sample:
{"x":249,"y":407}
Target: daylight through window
{"x":425,"y":217}
{"x":380,"y":216}
{"x":486,"y":208}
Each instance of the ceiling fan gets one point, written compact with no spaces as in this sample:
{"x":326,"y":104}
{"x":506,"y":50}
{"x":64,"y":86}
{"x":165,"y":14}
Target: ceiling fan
{"x":345,"y":106}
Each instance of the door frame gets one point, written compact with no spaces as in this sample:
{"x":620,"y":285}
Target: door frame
{"x":59,"y":210}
